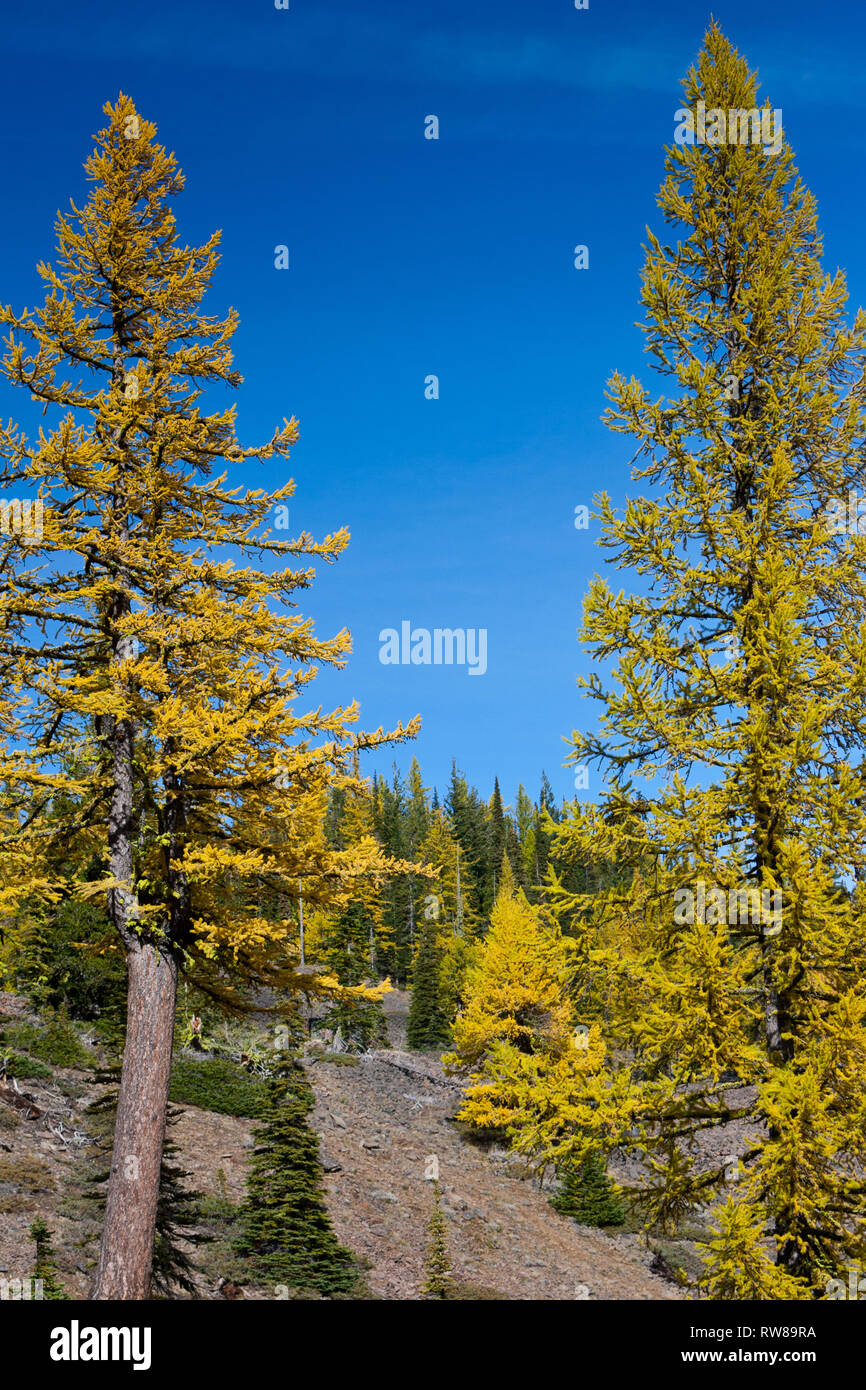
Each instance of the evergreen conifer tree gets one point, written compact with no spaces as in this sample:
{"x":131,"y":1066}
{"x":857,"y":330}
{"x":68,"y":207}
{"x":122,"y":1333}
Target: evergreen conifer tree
{"x":494,"y":846}
{"x":468,"y":816}
{"x":286,"y":1230}
{"x":437,"y":1263}
{"x":45,"y":1267}
{"x":177,"y":1213}
{"x":360,"y":1020}
{"x":429,"y":1025}
{"x":177,"y":1222}
{"x":588,"y":1195}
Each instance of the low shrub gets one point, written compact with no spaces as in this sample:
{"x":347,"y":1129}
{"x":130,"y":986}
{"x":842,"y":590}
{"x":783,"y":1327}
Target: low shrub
{"x":56,"y":1042}
{"x":25,"y":1068}
{"x":26,"y":1173}
{"x":218,"y":1085}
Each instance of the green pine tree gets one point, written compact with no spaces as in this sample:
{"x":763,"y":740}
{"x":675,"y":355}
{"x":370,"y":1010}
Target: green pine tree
{"x":287,"y":1232}
{"x":178,"y":1217}
{"x":468,"y":816}
{"x":588,"y":1195}
{"x":347,"y":956}
{"x":428,"y":1025}
{"x":495,"y":845}
{"x":45,"y":1268}
{"x":177,"y":1221}
{"x":437,"y":1264}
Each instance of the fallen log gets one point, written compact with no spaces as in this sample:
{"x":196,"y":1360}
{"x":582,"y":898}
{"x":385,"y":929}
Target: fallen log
{"x":380,"y":1055}
{"x":19,"y":1100}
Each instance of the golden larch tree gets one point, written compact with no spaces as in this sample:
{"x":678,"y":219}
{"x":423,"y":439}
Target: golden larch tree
{"x":153,"y":665}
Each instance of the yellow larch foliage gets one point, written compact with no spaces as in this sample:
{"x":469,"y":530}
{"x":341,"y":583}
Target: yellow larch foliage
{"x":155,"y":662}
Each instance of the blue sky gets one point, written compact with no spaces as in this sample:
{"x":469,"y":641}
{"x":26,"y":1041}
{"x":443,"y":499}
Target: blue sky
{"x":412,"y":257}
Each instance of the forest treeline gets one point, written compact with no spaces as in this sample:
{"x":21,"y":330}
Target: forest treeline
{"x":463,"y":841}
{"x":443,"y":862}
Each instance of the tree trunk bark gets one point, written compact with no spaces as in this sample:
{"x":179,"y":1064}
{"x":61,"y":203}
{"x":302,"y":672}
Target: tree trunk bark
{"x":126,"y":1250}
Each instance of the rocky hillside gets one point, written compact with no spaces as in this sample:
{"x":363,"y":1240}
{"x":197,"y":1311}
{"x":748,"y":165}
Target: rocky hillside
{"x":380,"y":1118}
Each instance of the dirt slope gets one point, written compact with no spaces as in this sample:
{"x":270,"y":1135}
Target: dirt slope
{"x":379,"y":1118}
{"x":379,"y":1124}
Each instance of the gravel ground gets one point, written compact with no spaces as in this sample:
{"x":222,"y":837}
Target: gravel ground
{"x":379,"y":1125}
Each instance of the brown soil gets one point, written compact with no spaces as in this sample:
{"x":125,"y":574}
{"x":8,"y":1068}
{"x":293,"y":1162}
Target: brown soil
{"x":380,"y":1119}
{"x":380,"y":1124}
